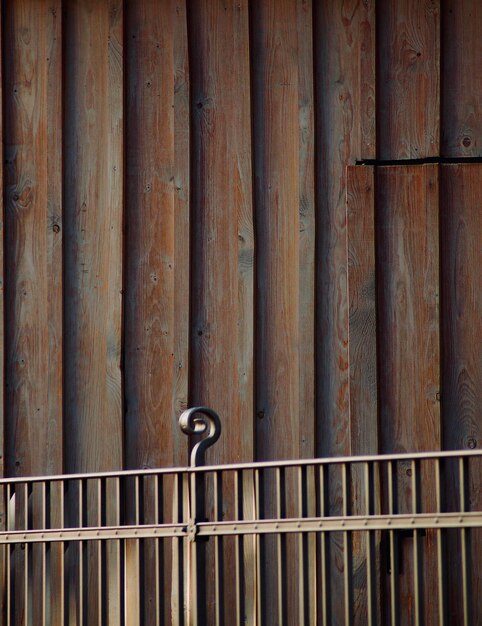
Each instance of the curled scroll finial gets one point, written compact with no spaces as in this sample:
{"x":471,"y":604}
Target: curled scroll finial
{"x":197,"y":421}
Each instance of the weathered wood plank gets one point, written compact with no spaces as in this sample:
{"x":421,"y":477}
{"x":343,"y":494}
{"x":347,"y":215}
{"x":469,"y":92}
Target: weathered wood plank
{"x":93,"y":263}
{"x":150,"y":266}
{"x":33,"y":261}
{"x":222,"y":227}
{"x":181,"y":227}
{"x":409,"y":356}
{"x":92,"y":234}
{"x":34,"y":444}
{"x":408,"y":79}
{"x":461,"y":303}
{"x":344,"y":39}
{"x":222,"y":247}
{"x":363,"y":378}
{"x":462,"y":78}
{"x":3,"y":550}
{"x":149,"y":221}
{"x":276,"y":136}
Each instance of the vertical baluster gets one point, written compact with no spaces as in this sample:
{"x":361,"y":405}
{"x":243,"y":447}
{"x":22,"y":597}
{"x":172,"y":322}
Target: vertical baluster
{"x":324,"y":555}
{"x":416,"y":571}
{"x":345,"y":478}
{"x":370,"y":583}
{"x":393,"y":551}
{"x":463,"y":540}
{"x":440,"y":564}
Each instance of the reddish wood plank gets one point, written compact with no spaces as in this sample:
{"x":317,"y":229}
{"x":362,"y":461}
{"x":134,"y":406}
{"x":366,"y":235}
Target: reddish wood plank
{"x":345,"y":132}
{"x":276,"y":137}
{"x":93,"y":265}
{"x":461,"y":303}
{"x":408,"y":79}
{"x":462,"y":78}
{"x":149,"y":244}
{"x":181,"y":227}
{"x":344,"y":39}
{"x":33,"y":319}
{"x":222,"y":247}
{"x":307,"y":231}
{"x":34,"y":421}
{"x":222,"y":228}
{"x":409,"y":352}
{"x":363,"y":377}
{"x":3,"y":550}
{"x":92,"y":232}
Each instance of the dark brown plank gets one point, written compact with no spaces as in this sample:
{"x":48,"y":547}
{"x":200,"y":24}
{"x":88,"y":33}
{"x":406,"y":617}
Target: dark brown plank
{"x":93,"y":265}
{"x":462,"y":78}
{"x":33,"y":350}
{"x":344,"y":39}
{"x":408,"y":79}
{"x":409,"y":352}
{"x":461,"y":304}
{"x":221,"y":227}
{"x":181,"y":226}
{"x":360,"y":202}
{"x":92,"y":232}
{"x":149,"y":241}
{"x":222,"y":245}
{"x":3,"y":550}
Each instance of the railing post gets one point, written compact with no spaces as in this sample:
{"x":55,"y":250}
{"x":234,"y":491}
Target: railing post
{"x":197,"y":421}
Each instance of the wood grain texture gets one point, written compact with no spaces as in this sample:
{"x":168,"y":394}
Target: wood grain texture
{"x":33,"y":289}
{"x":408,"y":79}
{"x":360,"y":203}
{"x":222,"y":245}
{"x":307,"y":231}
{"x":462,"y":77}
{"x":461,"y":280}
{"x":344,"y":39}
{"x":181,"y":227}
{"x":93,"y":178}
{"x":149,"y":240}
{"x":345,"y":131}
{"x":3,"y":520}
{"x":461,"y":303}
{"x":409,"y":353}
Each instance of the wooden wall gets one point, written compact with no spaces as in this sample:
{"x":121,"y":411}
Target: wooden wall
{"x":272,"y":207}
{"x":175,"y":227}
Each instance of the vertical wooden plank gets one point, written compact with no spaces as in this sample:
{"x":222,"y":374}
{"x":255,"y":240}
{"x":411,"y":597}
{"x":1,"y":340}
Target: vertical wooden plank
{"x":345,"y":131}
{"x":462,"y":78}
{"x":222,"y":247}
{"x":222,"y":228}
{"x":151,"y":267}
{"x":33,"y":256}
{"x":276,"y":137}
{"x":277,"y":193}
{"x":409,"y":376}
{"x":344,"y":39}
{"x":407,"y":266}
{"x":307,"y":232}
{"x":93,"y":224}
{"x":3,"y":498}
{"x":33,"y":289}
{"x":307,"y":294}
{"x":408,"y":79}
{"x":149,"y":249}
{"x":363,"y":377}
{"x":181,"y":228}
{"x":92,"y":231}
{"x":461,"y":281}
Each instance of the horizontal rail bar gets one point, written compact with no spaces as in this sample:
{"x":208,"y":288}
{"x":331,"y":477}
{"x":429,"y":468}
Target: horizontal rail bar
{"x":249,"y":527}
{"x":336,"y":460}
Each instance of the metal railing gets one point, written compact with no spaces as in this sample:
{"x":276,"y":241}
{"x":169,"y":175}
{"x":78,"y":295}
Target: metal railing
{"x":387,"y":539}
